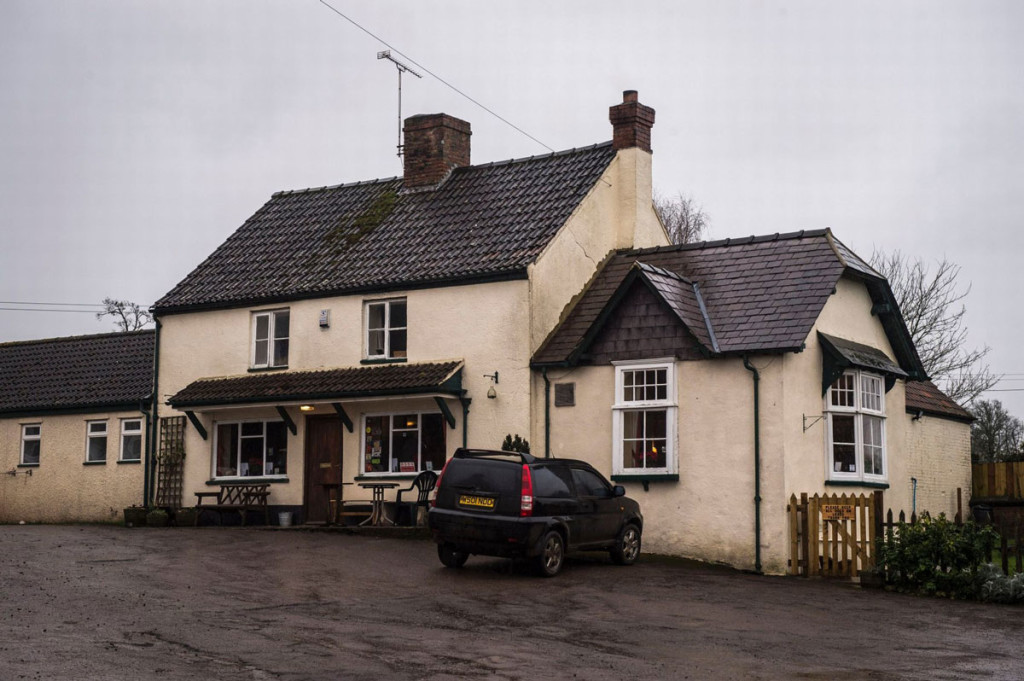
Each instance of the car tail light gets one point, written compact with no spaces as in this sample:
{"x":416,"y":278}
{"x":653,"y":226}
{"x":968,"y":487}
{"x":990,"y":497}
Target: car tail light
{"x":526,"y":497}
{"x":437,"y":485}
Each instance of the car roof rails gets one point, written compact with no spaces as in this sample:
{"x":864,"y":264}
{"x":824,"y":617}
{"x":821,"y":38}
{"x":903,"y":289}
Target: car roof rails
{"x":463,"y":453}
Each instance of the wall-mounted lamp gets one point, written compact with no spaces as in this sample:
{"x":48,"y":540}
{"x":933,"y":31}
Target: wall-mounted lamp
{"x":918,"y":415}
{"x":491,"y":392}
{"x":306,"y":407}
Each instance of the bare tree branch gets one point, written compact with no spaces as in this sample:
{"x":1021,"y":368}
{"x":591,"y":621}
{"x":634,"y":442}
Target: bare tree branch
{"x":128,"y":316}
{"x":933,"y":309}
{"x":685,"y":221}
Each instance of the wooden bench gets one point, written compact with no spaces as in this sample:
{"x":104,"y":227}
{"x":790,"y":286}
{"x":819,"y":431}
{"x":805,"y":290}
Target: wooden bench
{"x":242,"y":497}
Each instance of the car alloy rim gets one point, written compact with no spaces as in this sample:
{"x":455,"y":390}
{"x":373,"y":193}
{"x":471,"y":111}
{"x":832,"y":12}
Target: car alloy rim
{"x":552,"y":553}
{"x":631,"y":544}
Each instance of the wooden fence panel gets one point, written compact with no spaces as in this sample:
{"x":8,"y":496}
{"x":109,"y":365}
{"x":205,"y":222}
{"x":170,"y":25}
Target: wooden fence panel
{"x":832,"y":535}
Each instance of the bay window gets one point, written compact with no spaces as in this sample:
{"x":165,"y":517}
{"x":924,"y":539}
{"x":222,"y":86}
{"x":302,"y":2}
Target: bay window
{"x":248,"y":449}
{"x":403,"y":443}
{"x":855,"y":413}
{"x":644,"y":418}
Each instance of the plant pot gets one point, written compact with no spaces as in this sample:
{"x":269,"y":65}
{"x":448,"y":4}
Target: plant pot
{"x":157,"y":518}
{"x":185,"y":517}
{"x":135,"y":516}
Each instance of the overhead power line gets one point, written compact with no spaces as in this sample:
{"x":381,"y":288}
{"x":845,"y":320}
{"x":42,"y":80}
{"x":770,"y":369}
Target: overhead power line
{"x":26,"y":302}
{"x":45,"y":309}
{"x":431,"y":73}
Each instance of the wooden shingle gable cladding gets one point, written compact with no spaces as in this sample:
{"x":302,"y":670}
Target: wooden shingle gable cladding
{"x":643,"y":326}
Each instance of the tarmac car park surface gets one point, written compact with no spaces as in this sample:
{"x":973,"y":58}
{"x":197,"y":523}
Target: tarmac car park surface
{"x":98,"y":602}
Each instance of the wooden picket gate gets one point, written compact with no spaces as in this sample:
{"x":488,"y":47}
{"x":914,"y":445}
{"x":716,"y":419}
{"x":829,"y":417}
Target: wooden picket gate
{"x":832,"y":535}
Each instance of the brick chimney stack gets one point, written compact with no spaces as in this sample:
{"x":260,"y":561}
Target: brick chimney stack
{"x":631,"y":123}
{"x":434,"y":144}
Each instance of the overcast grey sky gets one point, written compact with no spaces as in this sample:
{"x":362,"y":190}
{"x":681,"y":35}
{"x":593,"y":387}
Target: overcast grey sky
{"x":136,"y":135}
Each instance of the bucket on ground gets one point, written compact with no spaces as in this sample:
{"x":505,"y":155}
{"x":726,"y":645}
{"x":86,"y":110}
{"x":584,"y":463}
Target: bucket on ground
{"x":284,"y":519}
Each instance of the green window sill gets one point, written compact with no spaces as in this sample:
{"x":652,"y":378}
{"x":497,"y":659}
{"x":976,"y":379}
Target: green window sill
{"x":384,"y":360}
{"x":856,"y":483}
{"x":28,"y":465}
{"x":121,"y":461}
{"x":95,"y":463}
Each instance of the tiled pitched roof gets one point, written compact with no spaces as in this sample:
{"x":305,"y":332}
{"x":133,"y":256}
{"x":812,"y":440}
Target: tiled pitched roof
{"x":925,"y":396}
{"x":76,"y":373}
{"x":684,"y":299}
{"x":483,"y":221}
{"x":276,"y":387}
{"x":761,"y":294}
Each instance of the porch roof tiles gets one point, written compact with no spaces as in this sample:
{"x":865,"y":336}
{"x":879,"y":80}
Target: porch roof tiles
{"x":325,"y":384}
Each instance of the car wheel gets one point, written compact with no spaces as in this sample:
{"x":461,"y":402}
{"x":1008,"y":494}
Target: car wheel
{"x":627,"y":546}
{"x":450,"y":556}
{"x":552,"y":554}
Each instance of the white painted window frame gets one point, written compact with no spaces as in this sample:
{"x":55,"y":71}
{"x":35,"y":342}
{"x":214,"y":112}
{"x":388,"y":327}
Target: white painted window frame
{"x":621,"y":406}
{"x":859,"y":411}
{"x":271,"y":339}
{"x":387,"y":329}
{"x":91,"y":435}
{"x":238,"y":453}
{"x":125,"y":433}
{"x":36,"y":437}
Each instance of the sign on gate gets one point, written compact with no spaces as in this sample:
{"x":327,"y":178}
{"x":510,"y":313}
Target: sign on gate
{"x":838,"y":512}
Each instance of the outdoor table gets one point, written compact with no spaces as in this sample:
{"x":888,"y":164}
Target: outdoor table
{"x":377,"y":515}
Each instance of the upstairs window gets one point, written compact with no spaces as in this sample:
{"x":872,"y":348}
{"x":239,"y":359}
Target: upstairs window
{"x":386,"y":329}
{"x":30,"y":441}
{"x":855,"y":411}
{"x":644,"y":420}
{"x":270,"y":339}
{"x":96,"y":442}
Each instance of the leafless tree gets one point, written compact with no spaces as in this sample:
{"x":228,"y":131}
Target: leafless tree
{"x":932,"y":305}
{"x":995,"y":435}
{"x":685,"y":221}
{"x":128,"y":316}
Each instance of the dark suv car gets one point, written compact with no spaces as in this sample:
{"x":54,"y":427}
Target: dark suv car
{"x":515,"y":505}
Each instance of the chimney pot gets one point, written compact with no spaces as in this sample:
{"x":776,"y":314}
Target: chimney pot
{"x":434,"y":145}
{"x":631,"y":123}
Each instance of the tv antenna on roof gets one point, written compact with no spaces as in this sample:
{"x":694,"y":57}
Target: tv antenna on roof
{"x":402,"y":68}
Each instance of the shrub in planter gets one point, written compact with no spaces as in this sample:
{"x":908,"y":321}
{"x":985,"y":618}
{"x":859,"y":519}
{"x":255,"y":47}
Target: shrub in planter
{"x":937,"y":557}
{"x":185,"y":517}
{"x":135,"y":516}
{"x":157,"y":518}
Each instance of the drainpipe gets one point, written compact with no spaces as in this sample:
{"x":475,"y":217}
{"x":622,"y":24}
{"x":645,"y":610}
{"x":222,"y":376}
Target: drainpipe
{"x":913,"y":503}
{"x":147,"y":469}
{"x":757,"y":465}
{"x":465,"y":420}
{"x":547,"y":413}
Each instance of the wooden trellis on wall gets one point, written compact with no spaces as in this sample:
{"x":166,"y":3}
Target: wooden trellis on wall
{"x":170,"y":462}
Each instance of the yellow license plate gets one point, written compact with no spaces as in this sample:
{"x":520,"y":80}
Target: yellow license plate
{"x":476,"y":502}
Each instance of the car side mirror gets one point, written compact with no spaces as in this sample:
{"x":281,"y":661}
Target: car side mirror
{"x":618,"y":491}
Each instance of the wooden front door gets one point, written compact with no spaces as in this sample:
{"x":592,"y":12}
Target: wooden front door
{"x":323,"y":463}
